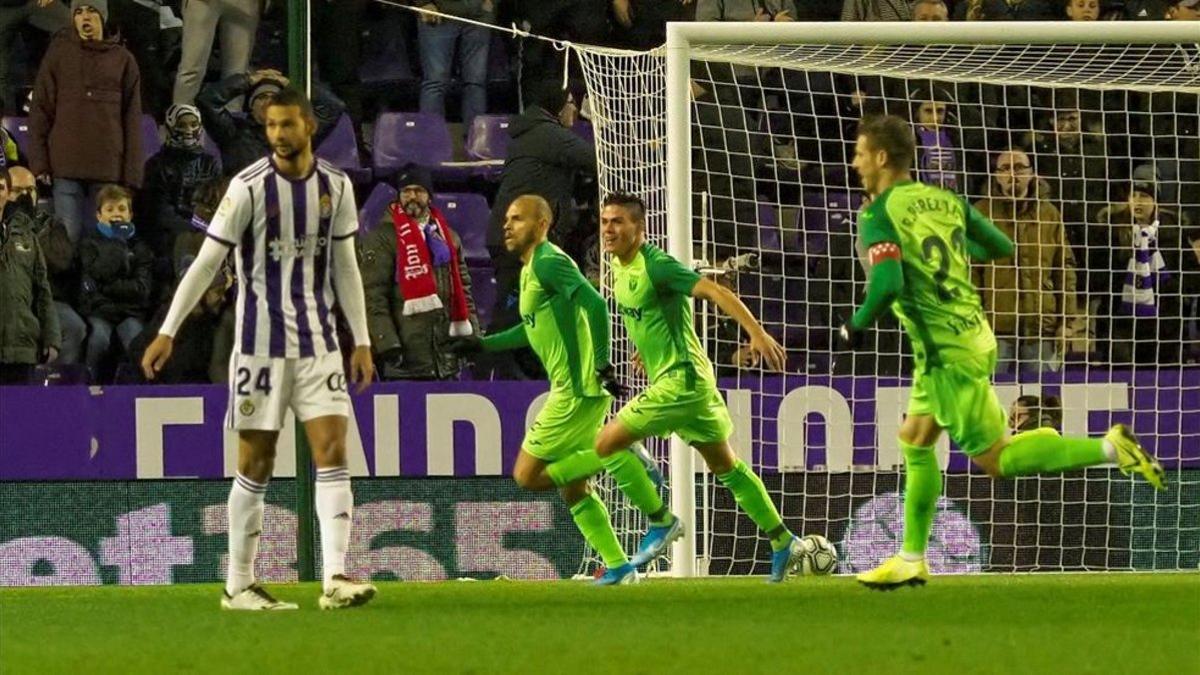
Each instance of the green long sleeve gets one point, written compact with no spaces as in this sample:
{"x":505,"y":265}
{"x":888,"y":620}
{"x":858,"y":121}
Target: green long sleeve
{"x":985,"y":241}
{"x":883,"y":287}
{"x":507,"y":339}
{"x":596,"y":309}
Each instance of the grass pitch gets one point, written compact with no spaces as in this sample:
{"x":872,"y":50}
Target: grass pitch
{"x":1085,"y":623}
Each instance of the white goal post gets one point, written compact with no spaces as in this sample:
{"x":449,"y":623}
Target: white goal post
{"x":645,"y":118}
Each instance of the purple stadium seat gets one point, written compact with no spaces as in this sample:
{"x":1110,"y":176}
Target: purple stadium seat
{"x":151,"y":142}
{"x":404,"y":138}
{"x":18,"y":128}
{"x":468,"y":215}
{"x":483,"y":291}
{"x":375,"y":206}
{"x":488,"y":137}
{"x":826,"y":213}
{"x":584,"y":130}
{"x":339,"y":147}
{"x":769,"y":234}
{"x":210,"y":146}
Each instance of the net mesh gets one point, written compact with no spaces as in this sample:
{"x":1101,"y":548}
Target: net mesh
{"x":774,"y":204}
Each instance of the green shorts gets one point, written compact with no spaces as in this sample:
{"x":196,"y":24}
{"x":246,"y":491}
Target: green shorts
{"x":566,"y":424}
{"x":696,"y":413}
{"x":960,"y":398}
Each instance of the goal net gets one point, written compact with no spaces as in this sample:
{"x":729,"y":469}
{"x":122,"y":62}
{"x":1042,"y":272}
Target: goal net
{"x":1080,"y":141}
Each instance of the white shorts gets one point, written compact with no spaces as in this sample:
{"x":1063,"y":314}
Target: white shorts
{"x":262,"y":388}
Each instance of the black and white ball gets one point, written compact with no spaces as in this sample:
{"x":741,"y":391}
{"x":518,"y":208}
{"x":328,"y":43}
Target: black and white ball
{"x":816,"y":556}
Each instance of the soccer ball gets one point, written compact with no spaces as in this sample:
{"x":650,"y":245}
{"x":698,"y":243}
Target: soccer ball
{"x":815,"y":556}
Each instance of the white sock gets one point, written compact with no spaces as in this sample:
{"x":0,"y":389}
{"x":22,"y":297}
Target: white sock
{"x":911,"y":557}
{"x":1110,"y":450}
{"x":335,"y":511}
{"x":245,"y":509}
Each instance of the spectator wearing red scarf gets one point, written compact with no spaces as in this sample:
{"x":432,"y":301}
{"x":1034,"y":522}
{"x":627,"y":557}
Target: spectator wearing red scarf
{"x":417,"y":288}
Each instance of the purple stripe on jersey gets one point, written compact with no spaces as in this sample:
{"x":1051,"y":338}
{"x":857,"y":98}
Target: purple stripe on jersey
{"x":321,"y":262}
{"x":249,"y":298}
{"x":278,"y":346}
{"x":299,"y":234}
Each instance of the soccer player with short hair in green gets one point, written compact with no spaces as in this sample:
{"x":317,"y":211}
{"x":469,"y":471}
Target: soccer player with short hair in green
{"x":653,"y":293}
{"x":917,"y":241}
{"x":566,"y":322}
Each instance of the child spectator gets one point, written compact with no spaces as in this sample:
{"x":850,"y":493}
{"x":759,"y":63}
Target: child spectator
{"x":117,"y":267}
{"x":937,"y":152}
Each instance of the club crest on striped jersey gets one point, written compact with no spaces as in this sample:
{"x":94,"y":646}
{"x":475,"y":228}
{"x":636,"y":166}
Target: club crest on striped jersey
{"x":326,"y":206}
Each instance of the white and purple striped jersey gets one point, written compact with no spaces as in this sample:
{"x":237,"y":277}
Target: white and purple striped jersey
{"x":283,"y":231}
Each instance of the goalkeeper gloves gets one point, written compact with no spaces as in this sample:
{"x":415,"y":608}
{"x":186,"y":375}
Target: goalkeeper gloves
{"x":466,"y":346}
{"x":608,"y":379}
{"x":850,"y":338}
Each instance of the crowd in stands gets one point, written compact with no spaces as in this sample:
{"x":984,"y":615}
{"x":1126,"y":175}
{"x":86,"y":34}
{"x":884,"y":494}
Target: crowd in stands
{"x":123,"y":120}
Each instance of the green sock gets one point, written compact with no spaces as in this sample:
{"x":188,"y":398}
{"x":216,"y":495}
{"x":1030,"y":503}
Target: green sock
{"x":1044,"y":451}
{"x":922,"y":485}
{"x":632,"y":479}
{"x":751,"y":495}
{"x":591,"y":517}
{"x":575,"y":466}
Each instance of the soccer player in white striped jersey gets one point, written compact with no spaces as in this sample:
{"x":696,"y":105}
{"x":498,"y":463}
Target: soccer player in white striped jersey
{"x":290,"y":219}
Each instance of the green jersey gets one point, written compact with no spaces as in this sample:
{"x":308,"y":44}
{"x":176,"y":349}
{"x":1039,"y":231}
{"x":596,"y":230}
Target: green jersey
{"x":653,"y":295}
{"x":939,"y":306}
{"x":557,"y":328}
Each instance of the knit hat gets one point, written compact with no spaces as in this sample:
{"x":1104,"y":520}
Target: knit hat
{"x":263,"y":88}
{"x":413,"y":174}
{"x":101,"y":7}
{"x":1145,"y":180}
{"x":178,"y":137}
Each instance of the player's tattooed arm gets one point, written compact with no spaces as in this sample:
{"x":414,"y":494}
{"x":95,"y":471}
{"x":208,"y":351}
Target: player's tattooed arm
{"x":761,"y":342}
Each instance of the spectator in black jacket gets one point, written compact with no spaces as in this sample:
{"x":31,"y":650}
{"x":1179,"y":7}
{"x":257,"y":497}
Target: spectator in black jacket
{"x":243,"y":140}
{"x":117,"y":275}
{"x":544,"y":158}
{"x":62,"y":267}
{"x":172,"y":176}
{"x":28,"y":323}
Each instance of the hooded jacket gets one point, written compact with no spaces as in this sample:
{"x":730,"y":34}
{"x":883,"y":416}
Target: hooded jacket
{"x":544,"y":158}
{"x":85,"y":120}
{"x":28,"y":320}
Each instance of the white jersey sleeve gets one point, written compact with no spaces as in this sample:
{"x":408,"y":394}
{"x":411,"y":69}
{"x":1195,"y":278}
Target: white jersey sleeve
{"x":345,"y":211}
{"x":234,"y":215}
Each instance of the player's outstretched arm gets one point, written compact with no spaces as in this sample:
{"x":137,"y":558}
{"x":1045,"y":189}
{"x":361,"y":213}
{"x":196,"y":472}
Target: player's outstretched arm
{"x":195,"y":281}
{"x":466,"y":346}
{"x":985,"y":241}
{"x":761,"y":342}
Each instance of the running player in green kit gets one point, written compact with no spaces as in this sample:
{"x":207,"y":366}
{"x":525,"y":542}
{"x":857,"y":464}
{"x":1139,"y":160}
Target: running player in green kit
{"x":918,"y":240}
{"x":653,"y":293}
{"x":566,"y":322}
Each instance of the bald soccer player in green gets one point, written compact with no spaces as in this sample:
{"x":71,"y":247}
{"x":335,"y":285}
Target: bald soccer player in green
{"x":653,"y":292}
{"x":918,"y":240}
{"x":566,"y":322}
